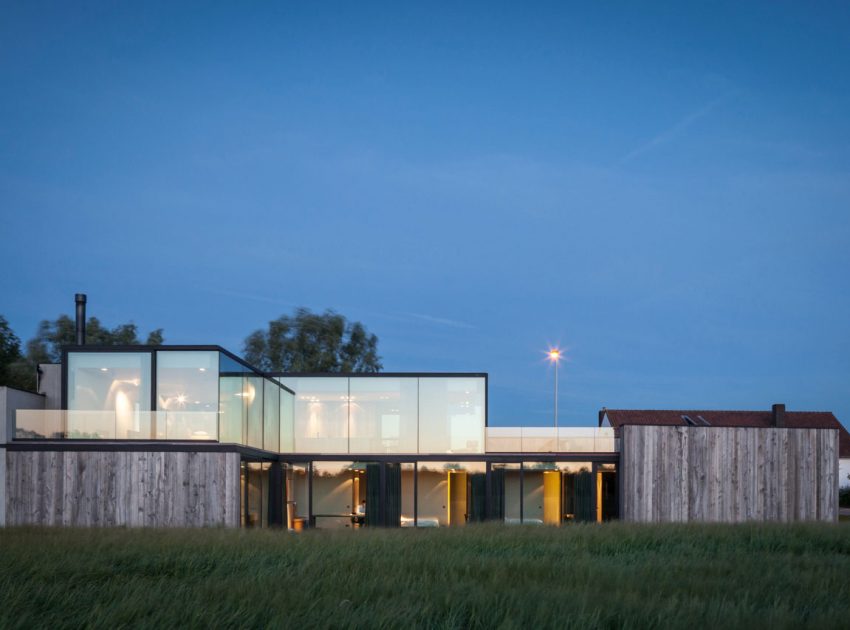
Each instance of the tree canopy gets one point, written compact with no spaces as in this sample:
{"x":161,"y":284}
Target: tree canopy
{"x":18,"y":369}
{"x":313,"y":342}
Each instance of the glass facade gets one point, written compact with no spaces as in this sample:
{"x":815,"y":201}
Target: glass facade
{"x":375,"y":430}
{"x":388,"y":414}
{"x":187,"y":395}
{"x":109,"y":395}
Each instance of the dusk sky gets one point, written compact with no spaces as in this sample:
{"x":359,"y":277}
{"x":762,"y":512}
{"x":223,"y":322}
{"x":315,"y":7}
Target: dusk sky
{"x":663,"y":190}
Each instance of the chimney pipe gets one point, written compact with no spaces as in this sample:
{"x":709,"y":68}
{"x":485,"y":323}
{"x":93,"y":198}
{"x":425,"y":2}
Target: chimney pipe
{"x":80,"y":299}
{"x":779,"y":416}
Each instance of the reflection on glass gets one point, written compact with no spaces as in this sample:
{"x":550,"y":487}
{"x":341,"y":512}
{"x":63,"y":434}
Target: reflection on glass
{"x":271,"y":416}
{"x":608,"y":503}
{"x":187,"y":395}
{"x":287,"y":422}
{"x":541,"y":493}
{"x":339,"y":494}
{"x":451,"y":415}
{"x":321,"y":414}
{"x":408,"y":480}
{"x":450,"y":493}
{"x":231,"y":409}
{"x":298,"y":497}
{"x":506,"y":495}
{"x":253,"y":395}
{"x":108,"y":395}
{"x":578,"y":491}
{"x":383,"y":415}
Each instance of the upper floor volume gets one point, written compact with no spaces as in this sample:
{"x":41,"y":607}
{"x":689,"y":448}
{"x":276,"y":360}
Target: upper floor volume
{"x":188,"y":393}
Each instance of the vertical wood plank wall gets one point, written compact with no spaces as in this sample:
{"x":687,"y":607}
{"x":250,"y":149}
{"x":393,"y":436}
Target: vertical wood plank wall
{"x":679,"y":474}
{"x":134,"y":489}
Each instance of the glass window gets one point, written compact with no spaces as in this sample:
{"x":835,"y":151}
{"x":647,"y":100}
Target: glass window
{"x":231,"y":409}
{"x":287,"y":422}
{"x":451,"y":415}
{"x":253,"y":395}
{"x":298,"y":497}
{"x":339,"y":494}
{"x":321,"y":414}
{"x":578,"y":490}
{"x":187,"y":395}
{"x":271,"y":416}
{"x":450,"y":493}
{"x":505,"y":489}
{"x":109,"y":395}
{"x":384,"y":414}
{"x":408,"y":484}
{"x":541,"y":500}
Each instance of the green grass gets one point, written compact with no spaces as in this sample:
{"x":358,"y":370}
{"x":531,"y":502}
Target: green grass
{"x":614,"y":575}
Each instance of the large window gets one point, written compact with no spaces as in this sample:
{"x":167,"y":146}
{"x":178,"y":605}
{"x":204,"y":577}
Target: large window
{"x":451,"y":415}
{"x":450,"y":493}
{"x":253,"y":395}
{"x":321,"y":414}
{"x":232,"y":403}
{"x":187,"y":395}
{"x":271,"y":416}
{"x":109,"y":395}
{"x":287,"y":421}
{"x":383,"y":415}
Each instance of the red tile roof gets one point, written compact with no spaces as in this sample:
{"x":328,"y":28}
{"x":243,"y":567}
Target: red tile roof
{"x":793,"y":420}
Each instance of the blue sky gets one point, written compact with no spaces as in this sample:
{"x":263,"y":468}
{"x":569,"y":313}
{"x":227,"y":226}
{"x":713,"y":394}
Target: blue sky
{"x":662,"y":189}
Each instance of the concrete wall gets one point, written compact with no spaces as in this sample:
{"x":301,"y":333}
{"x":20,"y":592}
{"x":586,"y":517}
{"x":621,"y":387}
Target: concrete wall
{"x":728,"y":474}
{"x":109,"y":488}
{"x":50,"y":384}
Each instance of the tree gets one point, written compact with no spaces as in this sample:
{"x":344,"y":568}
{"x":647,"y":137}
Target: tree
{"x":313,"y":342}
{"x":15,"y":370}
{"x":46,"y":346}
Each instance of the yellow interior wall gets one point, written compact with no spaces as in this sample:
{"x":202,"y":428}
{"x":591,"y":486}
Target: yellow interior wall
{"x":457,"y":497}
{"x":599,"y":497}
{"x":552,"y":497}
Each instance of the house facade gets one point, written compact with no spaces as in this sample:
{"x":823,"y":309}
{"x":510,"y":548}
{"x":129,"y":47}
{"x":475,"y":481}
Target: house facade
{"x":195,"y":436}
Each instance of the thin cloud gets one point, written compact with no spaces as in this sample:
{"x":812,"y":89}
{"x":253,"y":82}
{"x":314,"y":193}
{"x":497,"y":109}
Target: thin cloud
{"x":671,"y":133}
{"x":443,"y":321}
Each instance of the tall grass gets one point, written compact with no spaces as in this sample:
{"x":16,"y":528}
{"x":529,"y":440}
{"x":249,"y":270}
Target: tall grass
{"x":614,"y":575}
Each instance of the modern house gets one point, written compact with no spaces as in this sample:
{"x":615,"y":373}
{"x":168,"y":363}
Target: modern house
{"x":194,"y":436}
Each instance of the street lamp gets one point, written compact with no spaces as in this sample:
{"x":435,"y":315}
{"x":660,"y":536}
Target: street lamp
{"x":555,"y":357}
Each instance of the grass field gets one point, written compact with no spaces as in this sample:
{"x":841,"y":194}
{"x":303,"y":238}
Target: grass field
{"x":478,"y":577}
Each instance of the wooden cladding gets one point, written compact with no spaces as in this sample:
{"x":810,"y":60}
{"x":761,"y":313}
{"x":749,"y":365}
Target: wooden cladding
{"x":134,"y":489}
{"x":678,"y":474}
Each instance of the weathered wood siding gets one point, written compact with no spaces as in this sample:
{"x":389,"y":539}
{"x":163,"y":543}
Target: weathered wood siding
{"x":728,"y":474}
{"x":134,"y":489}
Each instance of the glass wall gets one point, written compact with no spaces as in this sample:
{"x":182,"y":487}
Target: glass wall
{"x":541,"y":495}
{"x":506,"y":492}
{"x":383,"y":415}
{"x":450,"y":493}
{"x":253,"y":396}
{"x":579,"y":491}
{"x":232,"y":402}
{"x":298,"y":497}
{"x":109,"y":395}
{"x":339,"y":494}
{"x":187,"y":395}
{"x":287,"y":421}
{"x":271,"y":416}
{"x":387,"y":414}
{"x":451,"y":415}
{"x":321,"y":414}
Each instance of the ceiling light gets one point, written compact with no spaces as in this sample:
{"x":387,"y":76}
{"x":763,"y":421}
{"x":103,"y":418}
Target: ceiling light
{"x":103,"y":369}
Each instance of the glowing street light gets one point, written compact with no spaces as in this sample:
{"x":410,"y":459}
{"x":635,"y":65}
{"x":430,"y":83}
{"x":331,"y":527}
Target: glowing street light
{"x":554,"y":355}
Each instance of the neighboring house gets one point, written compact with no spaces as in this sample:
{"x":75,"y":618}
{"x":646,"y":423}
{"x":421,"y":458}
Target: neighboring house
{"x":195,"y":436}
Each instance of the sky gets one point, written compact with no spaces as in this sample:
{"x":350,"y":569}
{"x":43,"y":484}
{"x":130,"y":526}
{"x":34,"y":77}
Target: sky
{"x":661,"y":189}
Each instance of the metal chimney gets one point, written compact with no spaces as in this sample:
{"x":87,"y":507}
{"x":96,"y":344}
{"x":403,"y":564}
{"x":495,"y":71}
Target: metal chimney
{"x":80,"y":299}
{"x":778,"y":413}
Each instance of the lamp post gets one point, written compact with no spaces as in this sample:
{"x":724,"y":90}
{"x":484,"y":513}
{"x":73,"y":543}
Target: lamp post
{"x":555,"y":357}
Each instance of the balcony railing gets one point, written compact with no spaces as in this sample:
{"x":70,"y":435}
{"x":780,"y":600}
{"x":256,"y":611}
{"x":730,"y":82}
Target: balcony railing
{"x":550,"y":440}
{"x":56,"y":424}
